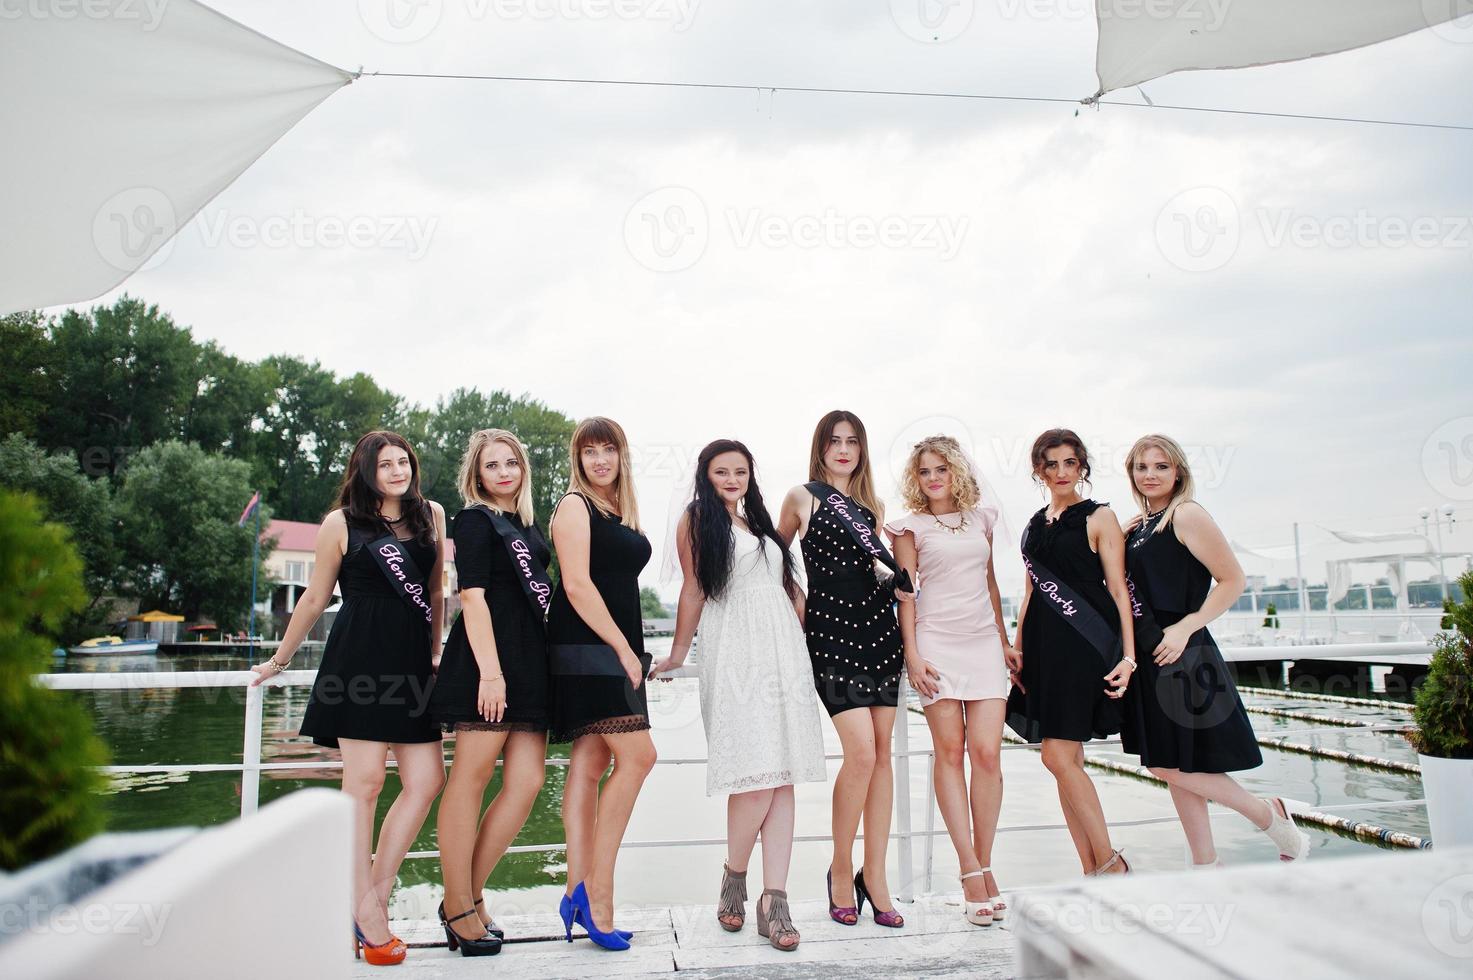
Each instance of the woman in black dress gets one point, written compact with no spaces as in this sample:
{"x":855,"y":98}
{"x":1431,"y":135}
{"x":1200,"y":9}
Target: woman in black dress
{"x":491,"y":691}
{"x":1067,"y":668}
{"x":595,"y":636}
{"x":854,"y":644}
{"x":1183,"y":716}
{"x":384,"y":544}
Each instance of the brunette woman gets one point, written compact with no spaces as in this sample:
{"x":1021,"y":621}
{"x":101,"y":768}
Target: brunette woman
{"x":596,"y":643}
{"x":492,"y":688}
{"x":757,"y":700}
{"x":1183,"y":716}
{"x":384,"y":546}
{"x":1069,"y":672}
{"x":956,"y":651}
{"x":854,"y":646}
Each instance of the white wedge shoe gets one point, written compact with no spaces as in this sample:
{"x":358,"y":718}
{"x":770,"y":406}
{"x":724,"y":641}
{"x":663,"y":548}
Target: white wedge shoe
{"x":998,"y":905}
{"x":1293,"y":843}
{"x":977,"y":913}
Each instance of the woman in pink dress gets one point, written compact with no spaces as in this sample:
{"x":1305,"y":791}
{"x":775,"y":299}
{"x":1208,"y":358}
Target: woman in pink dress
{"x":955,"y":644}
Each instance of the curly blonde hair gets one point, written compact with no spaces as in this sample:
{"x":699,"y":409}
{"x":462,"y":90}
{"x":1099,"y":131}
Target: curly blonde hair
{"x":964,"y":491}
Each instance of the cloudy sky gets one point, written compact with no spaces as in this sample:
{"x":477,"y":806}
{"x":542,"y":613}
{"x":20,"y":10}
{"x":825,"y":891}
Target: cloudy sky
{"x":705,"y":263}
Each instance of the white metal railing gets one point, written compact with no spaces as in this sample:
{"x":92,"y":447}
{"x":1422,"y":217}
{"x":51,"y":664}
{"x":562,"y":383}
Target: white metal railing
{"x":251,"y":766}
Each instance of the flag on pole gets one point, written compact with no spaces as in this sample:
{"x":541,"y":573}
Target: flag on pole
{"x":250,"y":509}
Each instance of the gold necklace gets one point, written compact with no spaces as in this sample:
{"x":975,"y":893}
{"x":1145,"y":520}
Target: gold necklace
{"x":947,"y":527}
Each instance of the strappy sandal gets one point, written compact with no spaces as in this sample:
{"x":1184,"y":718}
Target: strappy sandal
{"x":733,"y":899}
{"x":977,"y":913}
{"x":1116,"y":857}
{"x":775,"y":922}
{"x":998,"y":905}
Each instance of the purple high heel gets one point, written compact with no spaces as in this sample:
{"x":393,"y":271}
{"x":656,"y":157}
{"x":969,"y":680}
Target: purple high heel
{"x":892,"y":918}
{"x":846,"y":915}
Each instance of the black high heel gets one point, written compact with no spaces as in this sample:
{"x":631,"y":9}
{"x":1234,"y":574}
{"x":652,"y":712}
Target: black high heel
{"x":892,"y":918}
{"x":487,"y":945}
{"x":491,"y":926}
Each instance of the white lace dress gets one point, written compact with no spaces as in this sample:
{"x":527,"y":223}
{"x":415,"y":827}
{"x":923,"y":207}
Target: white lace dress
{"x":757,"y":699}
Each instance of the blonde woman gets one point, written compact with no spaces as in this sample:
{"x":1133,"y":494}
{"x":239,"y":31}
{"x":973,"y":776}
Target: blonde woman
{"x":1183,"y":716}
{"x":956,"y":648}
{"x":854,"y":646}
{"x":596,"y":643}
{"x":492,"y":689}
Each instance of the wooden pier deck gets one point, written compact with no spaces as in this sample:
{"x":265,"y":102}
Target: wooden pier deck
{"x":935,"y":942}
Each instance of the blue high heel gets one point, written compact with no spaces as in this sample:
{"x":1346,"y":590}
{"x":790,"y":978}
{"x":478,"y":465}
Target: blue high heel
{"x":569,"y":916}
{"x":582,"y":913}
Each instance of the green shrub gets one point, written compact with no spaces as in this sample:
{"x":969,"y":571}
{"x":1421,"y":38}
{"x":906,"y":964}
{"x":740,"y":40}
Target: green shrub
{"x":49,"y":784}
{"x":1271,"y":616}
{"x":1444,"y":706}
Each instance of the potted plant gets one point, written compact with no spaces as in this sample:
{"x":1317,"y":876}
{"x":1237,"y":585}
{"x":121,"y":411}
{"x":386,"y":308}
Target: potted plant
{"x":1444,"y":734}
{"x":1271,"y":617}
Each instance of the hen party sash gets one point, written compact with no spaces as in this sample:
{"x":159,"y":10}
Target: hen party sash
{"x":1072,"y":608}
{"x":401,"y":571}
{"x":536,"y":583}
{"x":862,"y":533}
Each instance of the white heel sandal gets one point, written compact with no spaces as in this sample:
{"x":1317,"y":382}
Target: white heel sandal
{"x":977,"y":913}
{"x":1293,"y":843}
{"x":998,"y":905}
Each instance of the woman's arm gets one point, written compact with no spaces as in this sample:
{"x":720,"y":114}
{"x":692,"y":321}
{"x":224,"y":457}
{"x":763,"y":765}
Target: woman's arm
{"x":792,"y":520}
{"x":332,"y":541}
{"x":437,"y":586}
{"x":1196,"y":529}
{"x":1108,"y":542}
{"x":692,"y":601}
{"x":571,"y":536}
{"x":923,"y":676}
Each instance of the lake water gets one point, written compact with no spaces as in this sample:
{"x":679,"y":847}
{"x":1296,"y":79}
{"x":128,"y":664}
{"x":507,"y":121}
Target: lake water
{"x":199,"y":726}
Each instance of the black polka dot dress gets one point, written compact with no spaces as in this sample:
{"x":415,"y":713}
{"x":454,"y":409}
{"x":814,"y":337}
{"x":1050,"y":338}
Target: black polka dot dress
{"x":853,"y":641}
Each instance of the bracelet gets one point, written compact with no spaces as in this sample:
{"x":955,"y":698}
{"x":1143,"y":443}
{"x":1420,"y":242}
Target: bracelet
{"x":1129,"y":660}
{"x":493,"y":677}
{"x":279,"y":667}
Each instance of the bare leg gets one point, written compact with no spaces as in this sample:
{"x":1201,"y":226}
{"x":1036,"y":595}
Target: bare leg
{"x":1191,"y":810}
{"x":949,"y":740}
{"x":851,"y":788}
{"x":460,"y":810}
{"x":587,"y":762}
{"x":364,"y":766}
{"x":1065,"y":760}
{"x":745,"y":813}
{"x":523,"y":769}
{"x":777,"y":839}
{"x":1221,"y":788}
{"x":634,"y":757}
{"x":421,"y":777}
{"x":879,"y":805}
{"x":984,"y":722}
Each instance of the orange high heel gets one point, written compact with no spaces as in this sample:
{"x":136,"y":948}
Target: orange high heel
{"x":391,"y":953}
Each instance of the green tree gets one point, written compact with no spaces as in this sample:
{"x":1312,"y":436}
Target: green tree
{"x":182,"y":550}
{"x":26,"y":372}
{"x":650,"y":606}
{"x":50,"y":786}
{"x":67,"y":497}
{"x":1444,"y":704}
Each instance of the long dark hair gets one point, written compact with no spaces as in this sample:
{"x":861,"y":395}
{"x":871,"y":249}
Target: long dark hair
{"x":711,"y":532}
{"x":359,"y":496}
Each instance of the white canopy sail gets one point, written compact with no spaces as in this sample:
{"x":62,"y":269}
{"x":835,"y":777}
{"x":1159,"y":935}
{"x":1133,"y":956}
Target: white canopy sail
{"x":1145,"y":39}
{"x":120,"y":123}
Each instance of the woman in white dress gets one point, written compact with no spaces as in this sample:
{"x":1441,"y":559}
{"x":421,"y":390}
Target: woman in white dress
{"x":757,"y":698}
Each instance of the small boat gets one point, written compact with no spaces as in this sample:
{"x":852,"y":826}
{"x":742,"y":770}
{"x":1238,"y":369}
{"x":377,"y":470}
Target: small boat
{"x":114,"y":645}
